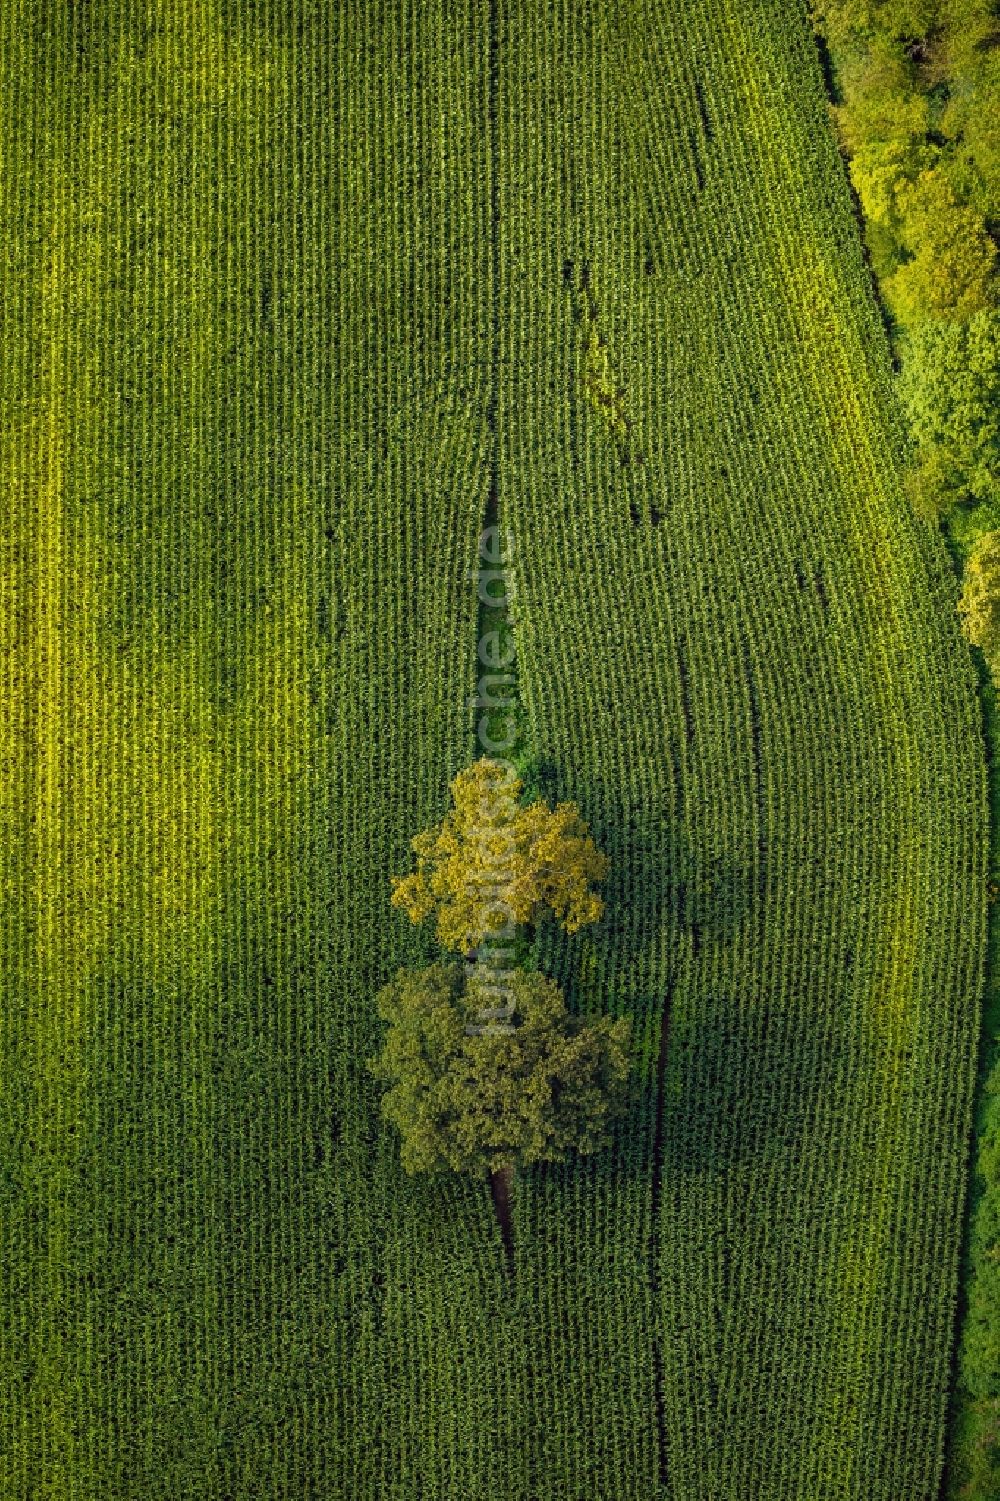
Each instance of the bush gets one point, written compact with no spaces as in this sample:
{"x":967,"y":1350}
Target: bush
{"x":980,"y":602}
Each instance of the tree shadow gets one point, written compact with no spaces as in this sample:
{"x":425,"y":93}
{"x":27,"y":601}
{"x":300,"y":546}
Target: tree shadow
{"x":724,"y":1078}
{"x":656,"y":875}
{"x":743,"y":1081}
{"x":743,"y":1084}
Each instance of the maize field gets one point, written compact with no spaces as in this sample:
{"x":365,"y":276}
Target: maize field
{"x":292,"y":294}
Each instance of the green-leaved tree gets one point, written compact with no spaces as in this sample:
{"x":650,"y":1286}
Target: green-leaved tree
{"x":476,"y":1099}
{"x":950,"y":387}
{"x":980,"y":602}
{"x":950,"y":273}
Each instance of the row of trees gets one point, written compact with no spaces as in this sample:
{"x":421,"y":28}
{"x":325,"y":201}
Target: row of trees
{"x":919,"y":117}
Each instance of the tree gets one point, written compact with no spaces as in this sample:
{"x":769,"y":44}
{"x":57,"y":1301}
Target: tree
{"x":979,"y":606}
{"x":839,"y":18}
{"x":950,"y":388}
{"x":474,"y":1084}
{"x":474,"y":1099}
{"x":880,"y":171}
{"x":492,"y":863}
{"x":953,"y":258}
{"x":881,"y":103}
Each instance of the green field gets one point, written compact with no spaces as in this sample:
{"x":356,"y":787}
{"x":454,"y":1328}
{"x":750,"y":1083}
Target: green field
{"x":288,"y":292}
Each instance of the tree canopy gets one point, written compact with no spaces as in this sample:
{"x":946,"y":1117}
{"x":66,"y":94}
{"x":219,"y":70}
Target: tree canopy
{"x":493,"y":863}
{"x":917,"y":91}
{"x":471,"y":1098}
{"x":952,"y":258}
{"x":474,"y":1084}
{"x":950,"y":386}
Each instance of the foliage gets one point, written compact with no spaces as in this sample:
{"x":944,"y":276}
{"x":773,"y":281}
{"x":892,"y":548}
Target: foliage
{"x":950,"y":387}
{"x":881,"y":171}
{"x":882,"y":108}
{"x":493,"y":863}
{"x":469,"y":1097}
{"x":980,"y":602}
{"x":916,"y":85}
{"x":842,"y":19}
{"x":950,"y":273}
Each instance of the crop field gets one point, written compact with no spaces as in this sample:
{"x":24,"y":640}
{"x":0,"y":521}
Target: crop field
{"x":294,"y":295}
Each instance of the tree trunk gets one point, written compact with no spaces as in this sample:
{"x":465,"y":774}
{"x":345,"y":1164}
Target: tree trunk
{"x":501,"y":1185}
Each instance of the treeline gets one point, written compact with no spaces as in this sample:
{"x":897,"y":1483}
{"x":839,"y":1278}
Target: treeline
{"x":917,"y":107}
{"x":916,"y":100}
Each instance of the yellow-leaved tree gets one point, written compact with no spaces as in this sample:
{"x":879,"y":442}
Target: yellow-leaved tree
{"x":493,"y":862}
